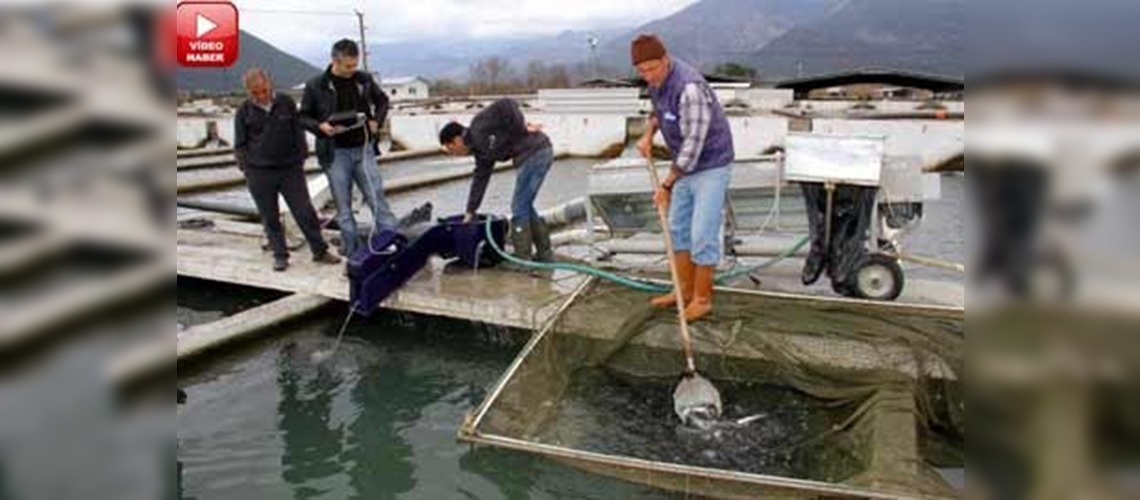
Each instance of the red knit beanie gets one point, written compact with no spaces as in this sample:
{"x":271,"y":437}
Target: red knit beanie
{"x":646,"y":48}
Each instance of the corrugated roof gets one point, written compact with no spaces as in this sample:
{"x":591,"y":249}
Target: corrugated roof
{"x":401,"y":80}
{"x":935,"y":83}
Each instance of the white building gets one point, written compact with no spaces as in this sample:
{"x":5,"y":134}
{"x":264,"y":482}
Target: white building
{"x":407,"y":88}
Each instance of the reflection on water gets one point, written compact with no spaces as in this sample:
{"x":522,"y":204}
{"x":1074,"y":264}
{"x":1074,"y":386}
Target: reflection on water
{"x":378,"y":420}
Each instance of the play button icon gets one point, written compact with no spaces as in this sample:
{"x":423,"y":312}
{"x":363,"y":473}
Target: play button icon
{"x":205,"y":25}
{"x":207,"y":34}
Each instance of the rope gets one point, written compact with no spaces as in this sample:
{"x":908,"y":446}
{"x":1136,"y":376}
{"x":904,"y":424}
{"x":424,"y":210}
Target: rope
{"x":322,"y":356}
{"x":633,"y":283}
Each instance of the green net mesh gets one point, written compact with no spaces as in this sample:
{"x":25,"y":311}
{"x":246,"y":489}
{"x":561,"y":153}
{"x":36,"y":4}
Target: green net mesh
{"x":822,"y":397}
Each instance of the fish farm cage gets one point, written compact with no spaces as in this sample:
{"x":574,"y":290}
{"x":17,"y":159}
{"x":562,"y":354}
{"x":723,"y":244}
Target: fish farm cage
{"x":823,"y":398}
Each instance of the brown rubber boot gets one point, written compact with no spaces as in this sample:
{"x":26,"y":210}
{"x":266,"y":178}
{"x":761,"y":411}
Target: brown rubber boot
{"x":701,"y":305}
{"x":685,"y":276}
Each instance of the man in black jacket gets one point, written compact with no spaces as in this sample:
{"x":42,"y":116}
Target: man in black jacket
{"x":501,"y":133}
{"x":344,"y":108}
{"x":270,"y":148}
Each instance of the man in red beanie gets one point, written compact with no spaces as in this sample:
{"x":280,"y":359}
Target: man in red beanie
{"x":692,"y":121}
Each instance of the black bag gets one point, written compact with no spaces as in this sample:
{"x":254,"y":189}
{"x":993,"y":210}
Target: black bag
{"x":846,"y":252}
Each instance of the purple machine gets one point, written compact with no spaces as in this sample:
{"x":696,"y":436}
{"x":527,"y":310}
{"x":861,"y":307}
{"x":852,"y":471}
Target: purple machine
{"x":391,"y":258}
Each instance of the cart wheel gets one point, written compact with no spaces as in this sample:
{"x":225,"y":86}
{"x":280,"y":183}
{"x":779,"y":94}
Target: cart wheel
{"x":881,"y":278}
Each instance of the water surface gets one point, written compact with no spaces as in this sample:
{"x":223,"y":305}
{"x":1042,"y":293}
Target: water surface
{"x":377,"y":420}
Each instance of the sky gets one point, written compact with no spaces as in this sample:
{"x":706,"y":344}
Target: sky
{"x":302,"y":27}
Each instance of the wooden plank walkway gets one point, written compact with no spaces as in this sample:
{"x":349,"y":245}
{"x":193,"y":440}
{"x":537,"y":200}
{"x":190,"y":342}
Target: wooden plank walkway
{"x":156,"y":355}
{"x":492,"y":296}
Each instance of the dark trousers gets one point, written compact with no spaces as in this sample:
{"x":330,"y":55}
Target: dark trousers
{"x":265,"y":184}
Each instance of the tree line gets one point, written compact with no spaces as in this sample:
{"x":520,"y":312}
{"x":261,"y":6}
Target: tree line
{"x":497,"y":75}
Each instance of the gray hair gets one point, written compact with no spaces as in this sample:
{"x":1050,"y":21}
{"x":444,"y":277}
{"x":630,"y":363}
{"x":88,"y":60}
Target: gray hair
{"x":255,"y":74}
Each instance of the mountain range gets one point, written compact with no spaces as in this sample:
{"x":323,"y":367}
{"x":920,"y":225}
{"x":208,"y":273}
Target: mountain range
{"x":916,"y":35}
{"x":781,"y":38}
{"x":712,"y":32}
{"x":285,"y":69}
{"x":784,"y":38}
{"x":451,"y":59}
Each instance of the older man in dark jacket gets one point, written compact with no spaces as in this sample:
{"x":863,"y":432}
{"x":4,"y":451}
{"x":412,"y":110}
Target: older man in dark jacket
{"x":270,"y":148}
{"x":344,"y":108}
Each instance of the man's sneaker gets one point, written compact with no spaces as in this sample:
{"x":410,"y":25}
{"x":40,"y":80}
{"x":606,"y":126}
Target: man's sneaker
{"x":326,"y":258}
{"x":280,"y":264}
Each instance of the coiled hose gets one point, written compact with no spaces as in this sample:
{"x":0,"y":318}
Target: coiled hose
{"x":633,"y":283}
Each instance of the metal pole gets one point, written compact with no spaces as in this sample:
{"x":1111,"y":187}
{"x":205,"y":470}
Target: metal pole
{"x":829,"y":211}
{"x":363,"y":44}
{"x":686,"y":338}
{"x":593,"y":41}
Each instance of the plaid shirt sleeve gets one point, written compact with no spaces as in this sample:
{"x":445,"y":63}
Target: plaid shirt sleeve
{"x":696,"y":114}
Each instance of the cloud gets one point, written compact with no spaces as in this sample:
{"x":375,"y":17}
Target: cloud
{"x":301,"y":26}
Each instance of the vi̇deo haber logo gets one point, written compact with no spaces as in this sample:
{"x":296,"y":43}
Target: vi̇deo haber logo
{"x":207,"y":34}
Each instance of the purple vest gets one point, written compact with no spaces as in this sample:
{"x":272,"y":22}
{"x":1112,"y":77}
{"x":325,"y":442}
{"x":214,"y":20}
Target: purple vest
{"x":718,"y":150}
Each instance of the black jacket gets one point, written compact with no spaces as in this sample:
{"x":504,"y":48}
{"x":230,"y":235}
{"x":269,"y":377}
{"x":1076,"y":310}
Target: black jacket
{"x":319,"y":103}
{"x":498,"y":133}
{"x":274,"y":139}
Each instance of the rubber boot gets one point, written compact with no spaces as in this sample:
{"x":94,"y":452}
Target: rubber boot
{"x":521,"y":239}
{"x":701,"y":305}
{"x":543,"y":252}
{"x":685,"y":277}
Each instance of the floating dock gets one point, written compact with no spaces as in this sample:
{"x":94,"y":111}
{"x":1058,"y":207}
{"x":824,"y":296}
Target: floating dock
{"x":231,"y":253}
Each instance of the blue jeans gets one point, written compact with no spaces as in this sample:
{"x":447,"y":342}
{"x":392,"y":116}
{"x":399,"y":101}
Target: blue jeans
{"x":696,"y":214}
{"x":358,"y":165}
{"x":531,"y":173}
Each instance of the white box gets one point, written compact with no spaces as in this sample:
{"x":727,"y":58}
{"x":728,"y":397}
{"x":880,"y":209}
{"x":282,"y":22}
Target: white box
{"x":842,"y":159}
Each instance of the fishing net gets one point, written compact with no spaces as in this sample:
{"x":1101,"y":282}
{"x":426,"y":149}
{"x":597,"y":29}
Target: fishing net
{"x":822,"y":397}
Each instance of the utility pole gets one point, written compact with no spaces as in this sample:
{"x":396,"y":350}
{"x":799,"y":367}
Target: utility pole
{"x":593,"y":41}
{"x":363,"y":44}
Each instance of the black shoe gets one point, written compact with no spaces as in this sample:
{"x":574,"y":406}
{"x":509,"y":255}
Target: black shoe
{"x":419,"y":215}
{"x":280,"y":264}
{"x":326,"y":258}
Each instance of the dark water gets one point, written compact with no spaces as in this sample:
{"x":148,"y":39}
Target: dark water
{"x":615,"y":415}
{"x":202,"y":302}
{"x":378,"y":420}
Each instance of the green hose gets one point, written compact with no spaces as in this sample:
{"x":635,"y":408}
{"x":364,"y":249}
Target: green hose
{"x":738,"y":270}
{"x":633,"y":283}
